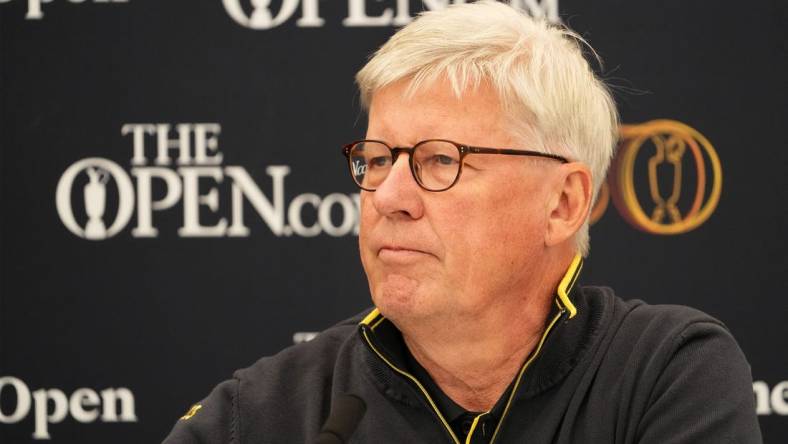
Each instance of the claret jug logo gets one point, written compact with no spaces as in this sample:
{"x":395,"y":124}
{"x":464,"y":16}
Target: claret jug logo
{"x":35,"y":10}
{"x":262,"y":14}
{"x":666,"y":178}
{"x":99,"y":171}
{"x":195,"y":179}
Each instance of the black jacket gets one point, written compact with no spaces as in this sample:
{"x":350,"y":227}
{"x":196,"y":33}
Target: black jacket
{"x":615,"y":372}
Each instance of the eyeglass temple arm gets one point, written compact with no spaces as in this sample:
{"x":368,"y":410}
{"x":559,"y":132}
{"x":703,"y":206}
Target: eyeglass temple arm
{"x":482,"y":150}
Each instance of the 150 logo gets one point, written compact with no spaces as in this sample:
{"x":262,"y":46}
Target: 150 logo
{"x":183,"y":179}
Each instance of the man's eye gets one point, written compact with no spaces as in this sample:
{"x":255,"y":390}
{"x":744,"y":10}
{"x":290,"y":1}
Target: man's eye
{"x":377,"y":162}
{"x":442,"y":159}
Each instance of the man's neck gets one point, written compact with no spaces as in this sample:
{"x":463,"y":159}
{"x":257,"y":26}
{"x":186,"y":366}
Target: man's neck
{"x":475,"y":371}
{"x":474,"y":360}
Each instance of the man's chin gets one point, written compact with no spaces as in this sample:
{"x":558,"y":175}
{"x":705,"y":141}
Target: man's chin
{"x":399,"y":297}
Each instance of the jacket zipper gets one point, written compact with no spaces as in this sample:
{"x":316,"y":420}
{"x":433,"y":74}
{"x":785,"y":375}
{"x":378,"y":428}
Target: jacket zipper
{"x":415,"y":381}
{"x":522,"y":372}
{"x":365,"y":329}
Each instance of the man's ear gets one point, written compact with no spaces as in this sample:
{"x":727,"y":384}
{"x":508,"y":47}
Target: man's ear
{"x":570,"y":204}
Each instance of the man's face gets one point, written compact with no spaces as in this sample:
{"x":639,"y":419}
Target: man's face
{"x":454,"y":252}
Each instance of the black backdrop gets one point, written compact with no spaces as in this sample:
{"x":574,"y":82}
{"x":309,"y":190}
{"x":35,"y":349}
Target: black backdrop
{"x":158,"y":321}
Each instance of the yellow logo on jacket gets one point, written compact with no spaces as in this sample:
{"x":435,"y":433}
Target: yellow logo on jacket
{"x":192,"y":411}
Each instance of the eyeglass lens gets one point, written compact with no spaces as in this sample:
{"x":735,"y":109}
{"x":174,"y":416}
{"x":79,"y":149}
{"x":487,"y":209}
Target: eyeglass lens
{"x":435,"y":164}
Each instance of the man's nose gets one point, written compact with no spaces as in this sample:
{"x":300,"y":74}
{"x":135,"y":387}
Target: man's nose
{"x":399,"y":195}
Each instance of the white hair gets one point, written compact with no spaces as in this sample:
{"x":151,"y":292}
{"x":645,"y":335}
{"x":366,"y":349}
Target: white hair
{"x":545,"y":85}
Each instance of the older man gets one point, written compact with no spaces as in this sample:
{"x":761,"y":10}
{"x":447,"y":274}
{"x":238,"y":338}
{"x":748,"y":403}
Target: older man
{"x":488,"y":138}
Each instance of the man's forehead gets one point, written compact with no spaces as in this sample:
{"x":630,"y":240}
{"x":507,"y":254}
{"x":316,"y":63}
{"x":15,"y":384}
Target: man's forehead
{"x":433,"y":110}
{"x":439,"y":90}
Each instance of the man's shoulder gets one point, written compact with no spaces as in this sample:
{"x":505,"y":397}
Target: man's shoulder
{"x":289,"y":391}
{"x":634,"y":331}
{"x":666,"y":366}
{"x":318,"y":355}
{"x":655,"y":340}
{"x":635,"y":315}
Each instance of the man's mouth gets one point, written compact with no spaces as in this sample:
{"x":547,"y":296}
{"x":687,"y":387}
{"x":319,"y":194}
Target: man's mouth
{"x":401,"y":255}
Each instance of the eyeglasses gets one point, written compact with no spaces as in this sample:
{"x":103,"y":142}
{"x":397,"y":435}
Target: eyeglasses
{"x":436,"y":164}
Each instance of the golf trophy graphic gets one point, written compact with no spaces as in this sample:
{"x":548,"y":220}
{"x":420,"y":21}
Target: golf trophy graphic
{"x":96,"y":202}
{"x":261,"y":16}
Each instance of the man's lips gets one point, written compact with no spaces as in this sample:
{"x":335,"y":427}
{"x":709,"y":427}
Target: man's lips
{"x":402,"y":255}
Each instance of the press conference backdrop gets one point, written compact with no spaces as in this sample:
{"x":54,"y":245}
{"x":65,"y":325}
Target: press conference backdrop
{"x":175,"y":204}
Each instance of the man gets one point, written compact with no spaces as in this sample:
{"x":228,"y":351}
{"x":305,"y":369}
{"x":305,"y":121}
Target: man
{"x":488,"y":138}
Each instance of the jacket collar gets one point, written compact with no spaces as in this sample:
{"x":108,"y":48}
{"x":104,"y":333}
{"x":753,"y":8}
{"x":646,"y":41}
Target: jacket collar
{"x":567,"y":332}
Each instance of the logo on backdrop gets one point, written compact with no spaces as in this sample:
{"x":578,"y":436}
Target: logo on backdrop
{"x":771,"y":401}
{"x":680,"y":172}
{"x":85,"y":405}
{"x":666,"y":179}
{"x":35,"y":10}
{"x":197,"y":162}
{"x":258,"y":14}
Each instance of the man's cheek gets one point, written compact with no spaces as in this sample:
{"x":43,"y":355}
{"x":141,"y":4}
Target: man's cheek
{"x":368,"y":262}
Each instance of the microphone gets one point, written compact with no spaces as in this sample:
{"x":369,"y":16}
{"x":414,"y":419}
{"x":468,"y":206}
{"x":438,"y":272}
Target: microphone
{"x":345,"y":415}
